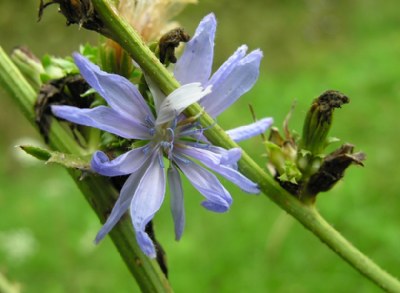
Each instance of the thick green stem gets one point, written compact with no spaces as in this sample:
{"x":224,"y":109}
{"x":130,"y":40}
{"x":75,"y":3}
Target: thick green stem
{"x":305,"y":214}
{"x":8,"y":287}
{"x":96,"y":189}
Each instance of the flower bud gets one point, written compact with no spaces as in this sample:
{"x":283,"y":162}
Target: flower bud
{"x":333,"y":168}
{"x":115,"y":59}
{"x":319,"y":120}
{"x":29,"y":64}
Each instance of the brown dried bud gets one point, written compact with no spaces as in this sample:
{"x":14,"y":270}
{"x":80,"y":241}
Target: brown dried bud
{"x":169,"y":42}
{"x":332,"y":169}
{"x":64,"y":91}
{"x":80,"y":12}
{"x":319,"y":119}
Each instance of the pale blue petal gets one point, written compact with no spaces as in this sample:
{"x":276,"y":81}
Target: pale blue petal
{"x":119,"y":92}
{"x":177,"y":206}
{"x":207,"y":158}
{"x":228,"y":157}
{"x":146,"y":201}
{"x":217,"y":197}
{"x":195,"y":64}
{"x":123,"y":202}
{"x":124,"y":164}
{"x":225,"y":69}
{"x":103,"y":118}
{"x":228,"y":88}
{"x":250,"y":130}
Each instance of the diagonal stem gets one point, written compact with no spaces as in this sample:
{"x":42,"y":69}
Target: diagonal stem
{"x":307,"y":215}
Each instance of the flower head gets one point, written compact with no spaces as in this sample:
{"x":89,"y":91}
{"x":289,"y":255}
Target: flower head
{"x":169,"y":135}
{"x":150,"y":18}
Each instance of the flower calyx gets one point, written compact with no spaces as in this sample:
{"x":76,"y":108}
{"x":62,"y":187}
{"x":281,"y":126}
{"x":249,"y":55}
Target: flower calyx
{"x":299,"y":163}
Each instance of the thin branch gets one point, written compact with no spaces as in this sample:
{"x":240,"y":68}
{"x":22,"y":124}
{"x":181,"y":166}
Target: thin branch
{"x":305,"y":214}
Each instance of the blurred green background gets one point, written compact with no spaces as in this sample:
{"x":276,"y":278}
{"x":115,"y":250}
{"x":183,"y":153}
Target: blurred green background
{"x":47,"y":228}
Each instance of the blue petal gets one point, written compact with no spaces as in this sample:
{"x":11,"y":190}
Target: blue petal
{"x":195,"y":64}
{"x":177,"y":206}
{"x":233,"y":84}
{"x":250,"y":130}
{"x":119,"y":92}
{"x":217,"y":197}
{"x":126,"y":163}
{"x":207,"y":158}
{"x":103,"y":118}
{"x":228,"y":157}
{"x":147,"y":200}
{"x":229,"y":65}
{"x":123,"y":202}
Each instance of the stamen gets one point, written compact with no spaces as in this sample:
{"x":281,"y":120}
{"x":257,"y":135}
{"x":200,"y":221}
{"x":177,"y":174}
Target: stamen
{"x":174,"y":122}
{"x":171,"y":147}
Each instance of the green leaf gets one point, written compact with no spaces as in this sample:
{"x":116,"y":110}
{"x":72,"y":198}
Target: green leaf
{"x":90,"y":52}
{"x":66,"y":160}
{"x":56,"y":68}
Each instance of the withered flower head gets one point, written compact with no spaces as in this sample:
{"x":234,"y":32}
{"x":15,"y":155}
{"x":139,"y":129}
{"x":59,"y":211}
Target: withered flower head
{"x":151,"y":18}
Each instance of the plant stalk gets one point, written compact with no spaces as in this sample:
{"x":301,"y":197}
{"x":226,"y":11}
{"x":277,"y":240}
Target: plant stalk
{"x":307,"y":215}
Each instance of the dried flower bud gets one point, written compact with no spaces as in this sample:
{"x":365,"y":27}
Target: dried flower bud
{"x":169,"y":42}
{"x":319,"y":119}
{"x":332,"y":169}
{"x":151,"y":18}
{"x":79,"y":12}
{"x":300,"y":167}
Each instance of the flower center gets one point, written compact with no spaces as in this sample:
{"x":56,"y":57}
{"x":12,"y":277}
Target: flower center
{"x":165,"y":137}
{"x":168,"y":135}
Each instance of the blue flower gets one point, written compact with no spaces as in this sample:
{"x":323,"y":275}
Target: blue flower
{"x":169,"y":135}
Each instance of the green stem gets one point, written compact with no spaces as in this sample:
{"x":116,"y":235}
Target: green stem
{"x":124,"y":34}
{"x":96,"y":189}
{"x":8,"y":287}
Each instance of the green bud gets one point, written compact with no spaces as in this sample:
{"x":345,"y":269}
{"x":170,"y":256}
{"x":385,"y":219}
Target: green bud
{"x":29,"y":64}
{"x":319,"y":120}
{"x":282,"y":154}
{"x":115,"y":59}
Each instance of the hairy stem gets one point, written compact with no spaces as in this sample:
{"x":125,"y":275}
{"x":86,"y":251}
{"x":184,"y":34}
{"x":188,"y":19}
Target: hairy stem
{"x":305,"y":214}
{"x":96,"y":189}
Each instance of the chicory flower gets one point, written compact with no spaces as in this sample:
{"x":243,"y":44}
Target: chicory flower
{"x":171,"y":135}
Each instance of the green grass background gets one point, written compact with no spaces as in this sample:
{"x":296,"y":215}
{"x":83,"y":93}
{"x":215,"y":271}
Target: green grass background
{"x":47,"y":228}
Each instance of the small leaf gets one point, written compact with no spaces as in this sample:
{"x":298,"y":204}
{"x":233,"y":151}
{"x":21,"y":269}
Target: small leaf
{"x":304,"y":152}
{"x":66,"y":160}
{"x":331,"y":140}
{"x":36,"y":152}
